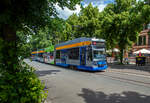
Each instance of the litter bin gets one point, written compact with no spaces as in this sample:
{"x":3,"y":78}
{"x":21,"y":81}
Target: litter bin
{"x":140,"y":60}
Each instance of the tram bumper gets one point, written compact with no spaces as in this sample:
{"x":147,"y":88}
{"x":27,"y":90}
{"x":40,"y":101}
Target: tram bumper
{"x":99,"y":68}
{"x":99,"y":65}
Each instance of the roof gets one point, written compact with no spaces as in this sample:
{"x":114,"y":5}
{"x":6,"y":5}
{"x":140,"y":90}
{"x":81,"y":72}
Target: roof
{"x":143,"y":51}
{"x":78,"y":40}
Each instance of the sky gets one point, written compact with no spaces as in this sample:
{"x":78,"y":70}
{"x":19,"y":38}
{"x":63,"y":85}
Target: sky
{"x":101,"y":4}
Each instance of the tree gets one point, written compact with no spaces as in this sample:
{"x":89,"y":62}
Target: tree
{"x":41,"y":39}
{"x":122,"y":22}
{"x":67,"y":33}
{"x":107,"y":18}
{"x":72,"y":26}
{"x":89,"y":22}
{"x":144,"y":8}
{"x":56,"y":29}
{"x":33,"y":14}
{"x":21,"y":15}
{"x":85,"y":24}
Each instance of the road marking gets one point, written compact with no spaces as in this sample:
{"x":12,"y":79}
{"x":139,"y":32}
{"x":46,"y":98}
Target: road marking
{"x":140,"y":75}
{"x":130,"y":81}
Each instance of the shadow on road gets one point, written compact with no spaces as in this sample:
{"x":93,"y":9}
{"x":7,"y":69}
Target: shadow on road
{"x":91,"y":96}
{"x":140,"y":68}
{"x":46,"y":72}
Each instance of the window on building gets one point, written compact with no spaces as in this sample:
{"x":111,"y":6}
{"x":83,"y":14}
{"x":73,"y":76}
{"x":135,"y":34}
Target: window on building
{"x":148,"y":26}
{"x":74,"y":53}
{"x":142,"y":40}
{"x":58,"y":54}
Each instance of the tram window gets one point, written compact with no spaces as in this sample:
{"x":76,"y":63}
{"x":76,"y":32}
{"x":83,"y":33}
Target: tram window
{"x":57,"y":54}
{"x":99,"y":55}
{"x":74,"y":53}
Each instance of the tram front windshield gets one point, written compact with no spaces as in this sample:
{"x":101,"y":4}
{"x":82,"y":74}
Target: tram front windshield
{"x":100,"y":55}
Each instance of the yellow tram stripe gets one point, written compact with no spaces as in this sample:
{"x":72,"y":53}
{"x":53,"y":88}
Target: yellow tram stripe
{"x":35,"y":52}
{"x":74,"y":45}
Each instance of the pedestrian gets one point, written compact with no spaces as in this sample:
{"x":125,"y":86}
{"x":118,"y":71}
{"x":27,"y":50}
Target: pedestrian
{"x":126,"y":60}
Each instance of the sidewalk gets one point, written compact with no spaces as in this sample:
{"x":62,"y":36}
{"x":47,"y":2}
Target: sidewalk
{"x":143,"y":70}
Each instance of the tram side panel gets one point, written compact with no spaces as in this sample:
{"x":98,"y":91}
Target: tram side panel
{"x":73,"y":56}
{"x":67,"y":57}
{"x":89,"y":58}
{"x":81,"y":57}
{"x":58,"y":57}
{"x":78,"y":57}
{"x":85,"y":59}
{"x":49,"y":58}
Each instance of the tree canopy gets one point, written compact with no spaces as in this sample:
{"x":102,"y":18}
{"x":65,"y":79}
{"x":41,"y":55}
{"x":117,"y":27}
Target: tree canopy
{"x":18,"y":20}
{"x":30,"y":12}
{"x":119,"y":23}
{"x":122,"y":21}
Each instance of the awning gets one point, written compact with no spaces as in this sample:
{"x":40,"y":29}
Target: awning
{"x":143,"y":51}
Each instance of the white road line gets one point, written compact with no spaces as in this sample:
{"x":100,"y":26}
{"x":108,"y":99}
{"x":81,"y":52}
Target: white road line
{"x":145,"y":76}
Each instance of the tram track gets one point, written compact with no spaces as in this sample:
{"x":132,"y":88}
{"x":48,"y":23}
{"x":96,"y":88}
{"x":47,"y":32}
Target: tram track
{"x":126,"y":80}
{"x":130,"y":73}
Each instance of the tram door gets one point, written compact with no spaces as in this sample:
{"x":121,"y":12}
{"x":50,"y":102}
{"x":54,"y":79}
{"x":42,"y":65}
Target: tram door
{"x":83,"y":56}
{"x":63,"y":56}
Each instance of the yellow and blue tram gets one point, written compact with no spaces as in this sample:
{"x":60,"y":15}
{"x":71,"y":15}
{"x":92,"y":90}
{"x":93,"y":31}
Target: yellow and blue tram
{"x":45,"y":55}
{"x":81,"y":53}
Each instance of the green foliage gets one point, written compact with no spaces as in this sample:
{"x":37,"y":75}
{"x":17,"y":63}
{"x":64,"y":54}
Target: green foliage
{"x":18,"y":83}
{"x":89,"y":21}
{"x":18,"y":20}
{"x":121,"y":22}
{"x":57,"y":27}
{"x":68,"y":32}
{"x":86,"y":24}
{"x":71,"y":28}
{"x":21,"y":87}
{"x":31,"y":12}
{"x":44,"y":37}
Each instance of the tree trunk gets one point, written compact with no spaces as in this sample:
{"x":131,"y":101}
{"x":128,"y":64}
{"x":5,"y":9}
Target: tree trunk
{"x":121,"y":56}
{"x":8,"y":49}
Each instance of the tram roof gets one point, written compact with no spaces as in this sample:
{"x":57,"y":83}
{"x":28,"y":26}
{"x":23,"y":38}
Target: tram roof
{"x":78,"y":40}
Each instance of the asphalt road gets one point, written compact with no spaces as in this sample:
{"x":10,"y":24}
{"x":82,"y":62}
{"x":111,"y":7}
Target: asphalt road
{"x":73,"y":86}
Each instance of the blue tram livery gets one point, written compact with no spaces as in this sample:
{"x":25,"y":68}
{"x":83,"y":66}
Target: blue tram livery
{"x":82,"y":53}
{"x":38,"y":55}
